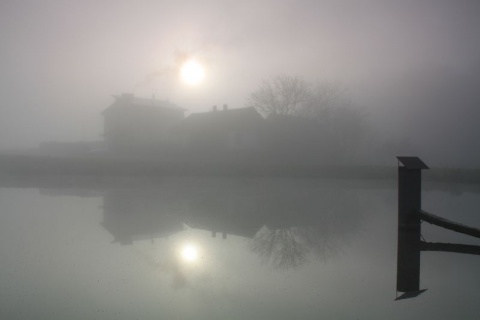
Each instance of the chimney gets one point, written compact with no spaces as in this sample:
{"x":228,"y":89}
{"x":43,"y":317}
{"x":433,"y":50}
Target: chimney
{"x":225,"y":107}
{"x":214,"y":108}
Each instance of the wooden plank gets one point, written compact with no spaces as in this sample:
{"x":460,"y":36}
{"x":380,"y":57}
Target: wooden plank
{"x":447,"y":224}
{"x":450,"y":247}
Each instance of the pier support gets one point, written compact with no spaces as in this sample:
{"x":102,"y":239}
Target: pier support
{"x":410,"y":215}
{"x":409,"y":206}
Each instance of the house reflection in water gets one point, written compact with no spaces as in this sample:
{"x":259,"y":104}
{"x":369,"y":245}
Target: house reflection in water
{"x":285,"y":226}
{"x":139,"y":214}
{"x":132,"y":214}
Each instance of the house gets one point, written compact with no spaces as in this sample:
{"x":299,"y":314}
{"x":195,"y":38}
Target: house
{"x":221,"y":132}
{"x":133,"y":124}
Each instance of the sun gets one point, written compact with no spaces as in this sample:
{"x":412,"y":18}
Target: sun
{"x":190,"y":253}
{"x":192,"y":72}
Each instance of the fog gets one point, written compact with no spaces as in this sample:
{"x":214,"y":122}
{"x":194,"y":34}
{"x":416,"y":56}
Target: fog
{"x":412,"y":65}
{"x":238,"y":159}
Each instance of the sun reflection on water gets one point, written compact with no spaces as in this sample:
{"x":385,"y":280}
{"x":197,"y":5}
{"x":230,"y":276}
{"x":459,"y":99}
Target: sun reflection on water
{"x":190,"y":253}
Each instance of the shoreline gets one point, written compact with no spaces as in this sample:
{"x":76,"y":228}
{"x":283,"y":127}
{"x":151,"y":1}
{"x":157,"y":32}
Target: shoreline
{"x":41,"y":166}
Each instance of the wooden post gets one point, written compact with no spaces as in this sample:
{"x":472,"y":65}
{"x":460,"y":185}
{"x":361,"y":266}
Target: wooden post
{"x":410,"y":215}
{"x":409,"y":206}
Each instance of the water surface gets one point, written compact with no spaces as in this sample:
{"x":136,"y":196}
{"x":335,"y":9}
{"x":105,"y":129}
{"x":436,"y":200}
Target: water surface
{"x":214,"y":248}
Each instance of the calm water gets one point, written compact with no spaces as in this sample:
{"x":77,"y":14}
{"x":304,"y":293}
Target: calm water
{"x":225,"y":249}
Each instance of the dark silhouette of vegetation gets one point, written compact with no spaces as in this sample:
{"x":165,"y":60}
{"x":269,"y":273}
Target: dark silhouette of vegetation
{"x":291,"y":247}
{"x":342,"y":131}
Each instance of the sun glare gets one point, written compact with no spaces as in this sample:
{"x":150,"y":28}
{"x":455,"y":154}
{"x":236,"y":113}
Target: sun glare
{"x":190,"y":253}
{"x":192,"y":72}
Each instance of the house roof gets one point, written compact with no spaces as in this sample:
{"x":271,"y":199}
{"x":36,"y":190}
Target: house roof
{"x":230,"y":117}
{"x":127,"y":101}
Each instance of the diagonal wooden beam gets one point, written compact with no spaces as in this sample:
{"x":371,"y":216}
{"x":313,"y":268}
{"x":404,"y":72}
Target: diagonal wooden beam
{"x":447,"y":224}
{"x":449,"y":247}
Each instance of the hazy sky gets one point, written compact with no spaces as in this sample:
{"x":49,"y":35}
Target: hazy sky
{"x":61,"y":61}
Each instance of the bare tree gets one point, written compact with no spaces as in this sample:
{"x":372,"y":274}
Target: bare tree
{"x":342,"y":130}
{"x":344,"y":123}
{"x":282,"y":94}
{"x":323,"y":99}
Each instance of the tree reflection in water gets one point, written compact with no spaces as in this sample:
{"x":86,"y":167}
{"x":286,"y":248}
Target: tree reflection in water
{"x":301,"y":225}
{"x":282,"y":248}
{"x":290,"y":247}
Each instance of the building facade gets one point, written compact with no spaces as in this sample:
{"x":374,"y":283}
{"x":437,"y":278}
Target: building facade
{"x":138,"y":124}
